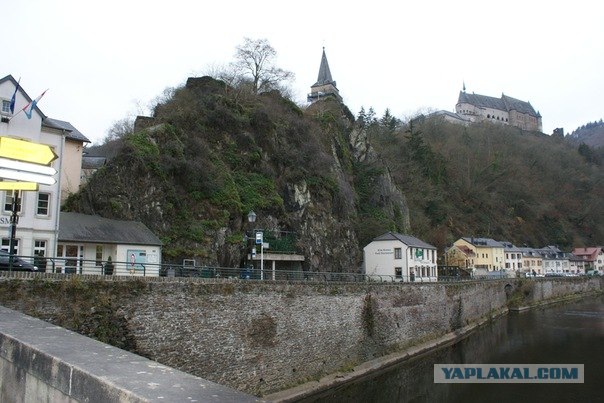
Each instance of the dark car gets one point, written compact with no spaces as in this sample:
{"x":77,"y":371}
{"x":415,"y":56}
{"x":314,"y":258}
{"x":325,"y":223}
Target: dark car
{"x":18,"y":263}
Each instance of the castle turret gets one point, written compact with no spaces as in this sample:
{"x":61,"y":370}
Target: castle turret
{"x":325,"y":85}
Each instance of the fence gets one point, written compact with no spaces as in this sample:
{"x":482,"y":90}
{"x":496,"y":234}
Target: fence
{"x":117,"y":268}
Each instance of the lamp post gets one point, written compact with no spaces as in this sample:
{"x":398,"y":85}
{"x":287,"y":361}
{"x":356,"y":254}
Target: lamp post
{"x":251,"y":217}
{"x":260,"y":240}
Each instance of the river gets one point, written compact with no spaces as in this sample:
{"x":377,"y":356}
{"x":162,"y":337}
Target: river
{"x":569,"y":333}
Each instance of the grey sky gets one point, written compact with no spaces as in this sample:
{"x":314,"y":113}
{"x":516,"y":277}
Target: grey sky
{"x":106,"y":60}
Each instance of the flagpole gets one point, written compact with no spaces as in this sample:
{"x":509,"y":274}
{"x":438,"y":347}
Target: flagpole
{"x":35,"y":104}
{"x":16,"y":114}
{"x":13,"y":100}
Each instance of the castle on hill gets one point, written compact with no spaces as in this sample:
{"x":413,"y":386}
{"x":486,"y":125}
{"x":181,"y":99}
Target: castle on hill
{"x":505,"y":110}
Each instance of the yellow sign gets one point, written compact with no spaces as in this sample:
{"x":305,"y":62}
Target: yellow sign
{"x":18,"y":185}
{"x":28,"y":151}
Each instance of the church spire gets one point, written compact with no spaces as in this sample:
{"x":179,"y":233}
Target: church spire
{"x":325,"y":85}
{"x":324,"y":72}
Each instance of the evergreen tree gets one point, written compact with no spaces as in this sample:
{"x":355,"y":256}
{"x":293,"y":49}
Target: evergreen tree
{"x":370,"y":118}
{"x":388,"y":121}
{"x":362,"y":117}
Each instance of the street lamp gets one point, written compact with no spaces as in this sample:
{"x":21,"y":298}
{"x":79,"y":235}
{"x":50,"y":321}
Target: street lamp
{"x":251,"y":217}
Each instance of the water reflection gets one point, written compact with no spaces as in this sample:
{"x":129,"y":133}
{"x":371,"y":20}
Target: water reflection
{"x":572,"y":333}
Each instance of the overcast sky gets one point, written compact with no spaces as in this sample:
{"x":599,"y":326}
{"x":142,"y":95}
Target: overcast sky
{"x":103,"y":61}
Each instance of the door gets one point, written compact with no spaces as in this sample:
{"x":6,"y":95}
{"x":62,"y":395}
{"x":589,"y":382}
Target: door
{"x":137,"y":259}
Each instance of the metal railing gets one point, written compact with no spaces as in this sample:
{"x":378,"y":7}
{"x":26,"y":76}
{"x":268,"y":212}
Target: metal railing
{"x":73,"y":265}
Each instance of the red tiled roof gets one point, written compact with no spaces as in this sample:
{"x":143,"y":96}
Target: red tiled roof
{"x":589,"y":254}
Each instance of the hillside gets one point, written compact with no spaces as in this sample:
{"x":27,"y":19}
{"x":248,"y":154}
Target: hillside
{"x":495,"y":181}
{"x":213,"y":153}
{"x":591,"y":134}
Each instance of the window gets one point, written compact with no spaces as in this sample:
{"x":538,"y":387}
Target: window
{"x":8,"y":202}
{"x":398,"y":253}
{"x":39,"y":253}
{"x":43,"y":203}
{"x":99,"y":255}
{"x":5,"y":106}
{"x":398,"y":272}
{"x":6,"y":246}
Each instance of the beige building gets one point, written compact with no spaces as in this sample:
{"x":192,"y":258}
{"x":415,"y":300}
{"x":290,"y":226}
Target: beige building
{"x":460,"y":256}
{"x":532,"y":261}
{"x":489,"y":254}
{"x":505,"y":110}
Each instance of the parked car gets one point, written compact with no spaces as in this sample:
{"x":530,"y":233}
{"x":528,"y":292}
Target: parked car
{"x":593,"y":273}
{"x":18,"y":263}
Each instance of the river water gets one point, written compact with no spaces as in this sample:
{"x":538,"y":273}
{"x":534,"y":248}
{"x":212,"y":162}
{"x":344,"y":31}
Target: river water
{"x":570,"y":333}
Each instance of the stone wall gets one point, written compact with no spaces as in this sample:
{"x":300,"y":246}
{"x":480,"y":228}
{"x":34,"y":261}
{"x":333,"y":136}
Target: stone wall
{"x":42,"y":363}
{"x":264,"y":337}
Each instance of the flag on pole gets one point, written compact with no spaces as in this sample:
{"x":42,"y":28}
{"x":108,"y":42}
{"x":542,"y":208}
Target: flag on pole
{"x":28,"y":109}
{"x":14,"y":97}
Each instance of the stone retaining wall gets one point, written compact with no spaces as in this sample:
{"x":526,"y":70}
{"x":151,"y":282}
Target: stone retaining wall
{"x":264,"y":337}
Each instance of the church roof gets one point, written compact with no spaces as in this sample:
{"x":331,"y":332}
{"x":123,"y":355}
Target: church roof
{"x":505,"y":103}
{"x":324,"y":73}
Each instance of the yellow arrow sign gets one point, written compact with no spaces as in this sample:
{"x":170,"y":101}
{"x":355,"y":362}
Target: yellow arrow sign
{"x":18,"y":185}
{"x":28,"y":151}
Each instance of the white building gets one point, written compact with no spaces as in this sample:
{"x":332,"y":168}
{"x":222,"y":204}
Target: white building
{"x":86,"y":243}
{"x":398,"y":257}
{"x":512,"y":257}
{"x":38,"y":224}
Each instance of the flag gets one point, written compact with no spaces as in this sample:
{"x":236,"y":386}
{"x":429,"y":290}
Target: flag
{"x":28,"y":109}
{"x":14,"y":98}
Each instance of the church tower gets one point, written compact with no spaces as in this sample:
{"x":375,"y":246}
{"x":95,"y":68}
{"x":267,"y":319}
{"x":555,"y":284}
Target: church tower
{"x":325,"y":85}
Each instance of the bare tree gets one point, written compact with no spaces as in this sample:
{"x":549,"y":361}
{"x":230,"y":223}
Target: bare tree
{"x":254,"y":60}
{"x":119,"y":129}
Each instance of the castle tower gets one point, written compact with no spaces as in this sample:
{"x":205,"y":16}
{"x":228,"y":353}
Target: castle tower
{"x":325,"y":85}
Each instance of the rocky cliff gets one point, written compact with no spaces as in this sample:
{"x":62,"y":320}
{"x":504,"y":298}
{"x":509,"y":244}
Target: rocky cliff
{"x":211,"y":153}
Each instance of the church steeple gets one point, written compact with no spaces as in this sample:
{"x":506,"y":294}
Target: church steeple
{"x":325,"y":85}
{"x":324,"y":73}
